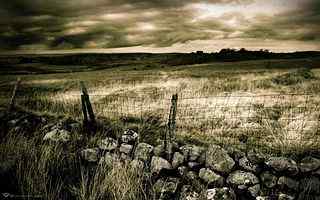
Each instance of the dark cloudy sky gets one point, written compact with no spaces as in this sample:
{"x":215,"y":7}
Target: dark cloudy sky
{"x":159,"y":25}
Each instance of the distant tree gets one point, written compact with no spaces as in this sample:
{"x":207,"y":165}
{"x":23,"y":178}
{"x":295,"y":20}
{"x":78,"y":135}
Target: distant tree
{"x":243,"y":50}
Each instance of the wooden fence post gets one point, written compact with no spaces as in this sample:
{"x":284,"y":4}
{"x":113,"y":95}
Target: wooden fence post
{"x":89,"y":121}
{"x":170,"y":133}
{"x":14,"y":94}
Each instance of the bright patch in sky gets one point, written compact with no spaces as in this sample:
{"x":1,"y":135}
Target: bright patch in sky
{"x":159,"y":25}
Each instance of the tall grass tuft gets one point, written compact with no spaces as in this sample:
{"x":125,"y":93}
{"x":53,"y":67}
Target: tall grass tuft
{"x":120,"y":181}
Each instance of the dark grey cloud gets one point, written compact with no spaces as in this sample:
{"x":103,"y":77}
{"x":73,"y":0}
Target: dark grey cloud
{"x":61,"y":24}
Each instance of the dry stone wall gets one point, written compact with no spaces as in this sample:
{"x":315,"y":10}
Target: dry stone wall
{"x":224,"y":174}
{"x":227,"y":174}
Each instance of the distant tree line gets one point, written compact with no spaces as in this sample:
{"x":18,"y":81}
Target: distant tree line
{"x":171,"y":59}
{"x":230,"y":55}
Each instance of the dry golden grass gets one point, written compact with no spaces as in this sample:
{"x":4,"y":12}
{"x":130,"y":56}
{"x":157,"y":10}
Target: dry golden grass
{"x":212,"y":101}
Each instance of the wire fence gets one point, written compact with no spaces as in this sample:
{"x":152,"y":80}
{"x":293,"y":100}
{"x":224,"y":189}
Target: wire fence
{"x":277,"y":121}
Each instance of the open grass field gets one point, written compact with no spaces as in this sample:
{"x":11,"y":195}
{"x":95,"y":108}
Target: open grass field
{"x":263,"y":101}
{"x":267,"y":105}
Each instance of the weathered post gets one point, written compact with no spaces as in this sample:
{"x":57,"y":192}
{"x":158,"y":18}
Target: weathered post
{"x":89,"y":121}
{"x":14,"y":94}
{"x":170,"y":134}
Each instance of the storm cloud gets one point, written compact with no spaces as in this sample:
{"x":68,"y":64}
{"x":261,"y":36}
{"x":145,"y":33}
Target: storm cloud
{"x":143,"y":24}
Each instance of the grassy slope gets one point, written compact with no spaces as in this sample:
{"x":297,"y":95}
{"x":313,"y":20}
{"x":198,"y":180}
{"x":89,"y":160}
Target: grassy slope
{"x":141,"y":90}
{"x":59,"y":93}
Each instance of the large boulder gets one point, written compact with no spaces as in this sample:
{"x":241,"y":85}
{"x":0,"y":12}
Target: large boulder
{"x":221,"y":194}
{"x":177,"y":160}
{"x":158,"y":164}
{"x":283,"y":165}
{"x":90,"y":155}
{"x":57,"y":135}
{"x":108,"y":144}
{"x":143,"y":152}
{"x":210,"y":177}
{"x":242,"y":180}
{"x":309,"y":164}
{"x":218,"y":159}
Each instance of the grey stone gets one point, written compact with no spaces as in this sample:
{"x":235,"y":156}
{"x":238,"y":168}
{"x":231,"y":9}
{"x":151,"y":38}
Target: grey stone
{"x":57,"y":135}
{"x":254,"y":190}
{"x":311,"y":185}
{"x":235,"y":153}
{"x":288,"y":183}
{"x":283,"y":165}
{"x":219,"y":160}
{"x":194,"y":166}
{"x":178,"y":159}
{"x":191,"y":175}
{"x":90,"y":155}
{"x":195,"y":153}
{"x":126,"y":148}
{"x":183,"y":170}
{"x":285,"y":197}
{"x":143,"y":152}
{"x":245,"y":164}
{"x":256,"y":157}
{"x":165,"y":188}
{"x":186,"y":151}
{"x":108,"y":144}
{"x":129,"y":136}
{"x":158,"y":164}
{"x":75,"y":126}
{"x":242,"y":179}
{"x":13,"y":122}
{"x":263,"y":198}
{"x":188,"y":194}
{"x":125,"y":157}
{"x":221,"y":194}
{"x":268,"y":179}
{"x":210,"y":177}
{"x":309,"y":164}
{"x":110,"y":160}
{"x":317,"y":172}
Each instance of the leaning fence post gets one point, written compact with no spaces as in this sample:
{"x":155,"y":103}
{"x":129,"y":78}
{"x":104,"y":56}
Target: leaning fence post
{"x":88,"y":115}
{"x":14,"y":94}
{"x":170,"y":133}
